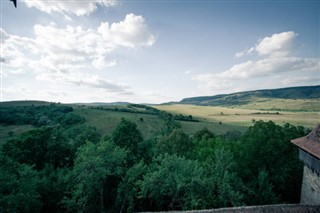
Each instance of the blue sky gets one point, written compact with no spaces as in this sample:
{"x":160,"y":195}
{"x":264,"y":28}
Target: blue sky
{"x":155,"y":51}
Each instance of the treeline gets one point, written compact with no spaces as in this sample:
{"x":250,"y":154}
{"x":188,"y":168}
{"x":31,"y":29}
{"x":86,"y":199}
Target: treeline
{"x":39,"y":115}
{"x":73,"y":168}
{"x":144,"y":109}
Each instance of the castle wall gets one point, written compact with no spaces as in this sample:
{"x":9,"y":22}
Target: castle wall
{"x":280,"y":208}
{"x":310,"y":191}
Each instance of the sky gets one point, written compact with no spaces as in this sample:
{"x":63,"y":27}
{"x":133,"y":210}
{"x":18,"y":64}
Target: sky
{"x":155,"y":51}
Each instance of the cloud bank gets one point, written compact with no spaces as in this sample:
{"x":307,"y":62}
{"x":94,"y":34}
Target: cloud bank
{"x":277,"y":62}
{"x":66,"y":54}
{"x":277,"y":45}
{"x":131,"y":32}
{"x":76,"y":7}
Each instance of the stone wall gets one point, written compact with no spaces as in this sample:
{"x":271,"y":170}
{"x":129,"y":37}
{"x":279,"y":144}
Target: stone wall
{"x":281,"y":208}
{"x":310,"y":190}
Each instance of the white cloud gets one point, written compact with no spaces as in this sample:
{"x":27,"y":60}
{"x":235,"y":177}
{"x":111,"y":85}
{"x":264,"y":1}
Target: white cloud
{"x":132,"y":32}
{"x":101,"y":63}
{"x":276,"y":64}
{"x":85,"y":80}
{"x":301,"y":80}
{"x":212,"y":82}
{"x":77,"y":7}
{"x":245,"y":52}
{"x":244,"y":72}
{"x":70,"y":47}
{"x":64,"y":54}
{"x":278,"y":45}
{"x":269,"y":66}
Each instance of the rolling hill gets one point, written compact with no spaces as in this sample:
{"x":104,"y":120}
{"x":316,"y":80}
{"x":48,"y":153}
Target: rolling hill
{"x":305,"y":98}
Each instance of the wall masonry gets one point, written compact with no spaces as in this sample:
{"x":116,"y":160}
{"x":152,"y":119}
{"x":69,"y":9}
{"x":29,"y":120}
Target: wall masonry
{"x":310,"y":190}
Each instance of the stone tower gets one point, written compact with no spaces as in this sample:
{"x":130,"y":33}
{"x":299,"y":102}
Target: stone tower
{"x":309,"y":153}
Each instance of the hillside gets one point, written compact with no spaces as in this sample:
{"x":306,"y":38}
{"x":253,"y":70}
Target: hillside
{"x":17,"y":117}
{"x":289,"y":99}
{"x":74,"y":152}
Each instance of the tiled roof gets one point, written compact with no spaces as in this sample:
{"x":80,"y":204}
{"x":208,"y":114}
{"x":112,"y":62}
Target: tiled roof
{"x":310,"y":143}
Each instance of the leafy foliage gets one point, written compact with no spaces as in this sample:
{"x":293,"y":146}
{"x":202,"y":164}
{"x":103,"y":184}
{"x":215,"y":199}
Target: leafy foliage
{"x":93,"y":164}
{"x":173,"y":183}
{"x":63,"y":165}
{"x":39,"y":115}
{"x":177,"y":142}
{"x":19,"y":187}
{"x":267,"y":146}
{"x":127,"y":136}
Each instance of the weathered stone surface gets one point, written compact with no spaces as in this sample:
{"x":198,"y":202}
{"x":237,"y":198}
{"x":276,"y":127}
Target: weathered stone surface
{"x":281,"y":208}
{"x":310,"y":190}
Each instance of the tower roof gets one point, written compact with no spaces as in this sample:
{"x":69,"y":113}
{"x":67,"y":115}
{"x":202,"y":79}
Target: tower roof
{"x":310,"y":143}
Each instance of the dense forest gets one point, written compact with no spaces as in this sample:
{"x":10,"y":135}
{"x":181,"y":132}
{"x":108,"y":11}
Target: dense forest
{"x":64,"y":165}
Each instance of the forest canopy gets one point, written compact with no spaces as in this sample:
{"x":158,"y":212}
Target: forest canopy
{"x":64,"y":165}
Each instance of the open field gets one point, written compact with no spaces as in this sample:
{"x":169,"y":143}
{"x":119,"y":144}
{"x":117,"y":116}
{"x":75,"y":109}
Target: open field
{"x":217,"y":119}
{"x":240,"y":118}
{"x":106,"y":121}
{"x":280,"y":104}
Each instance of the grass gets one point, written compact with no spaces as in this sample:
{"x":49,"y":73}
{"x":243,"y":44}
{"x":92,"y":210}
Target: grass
{"x":278,"y":104}
{"x":216,"y":127}
{"x":217,"y":119}
{"x":238,"y":118}
{"x":8,"y":132}
{"x":106,"y":121}
{"x":24,"y":103}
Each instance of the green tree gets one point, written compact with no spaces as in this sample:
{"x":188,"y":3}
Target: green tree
{"x":260,"y":190}
{"x":52,"y":187}
{"x":203,"y":134}
{"x":93,"y":165}
{"x":30,"y":147}
{"x":80,"y":134}
{"x":19,"y":187}
{"x":227,"y":188}
{"x":70,"y":119}
{"x":127,"y":136}
{"x":266,"y":146}
{"x":173,"y":183}
{"x":128,"y":189}
{"x":46,"y":145}
{"x":177,"y":142}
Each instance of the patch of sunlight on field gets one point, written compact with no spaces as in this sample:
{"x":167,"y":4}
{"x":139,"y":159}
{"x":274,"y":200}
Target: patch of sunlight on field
{"x":243,"y":117}
{"x":312,"y":105}
{"x":106,"y":121}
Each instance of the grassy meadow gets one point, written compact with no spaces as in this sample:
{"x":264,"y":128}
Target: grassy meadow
{"x":302,"y":112}
{"x":106,"y":120}
{"x":281,"y":104}
{"x":222,"y":119}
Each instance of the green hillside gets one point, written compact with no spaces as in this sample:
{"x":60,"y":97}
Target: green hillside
{"x":220,"y":114}
{"x":65,"y":157}
{"x":20,"y":116}
{"x":288,"y":99}
{"x":106,"y":118}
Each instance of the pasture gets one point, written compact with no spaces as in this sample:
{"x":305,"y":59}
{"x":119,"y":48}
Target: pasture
{"x":223,"y":118}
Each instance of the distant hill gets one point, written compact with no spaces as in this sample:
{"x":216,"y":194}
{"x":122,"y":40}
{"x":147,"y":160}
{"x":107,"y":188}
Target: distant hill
{"x":24,"y":103}
{"x":104,"y":104}
{"x":288,"y":95}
